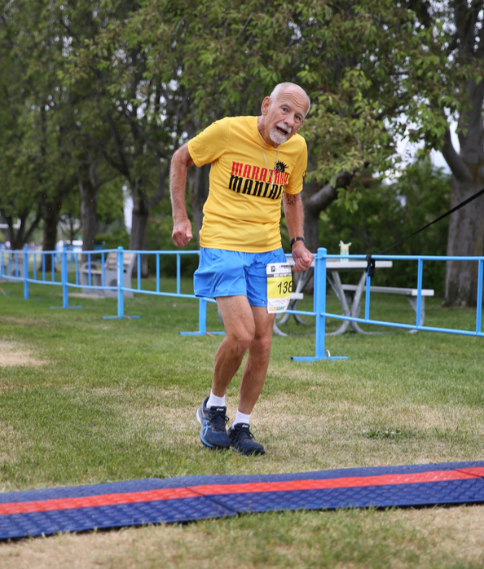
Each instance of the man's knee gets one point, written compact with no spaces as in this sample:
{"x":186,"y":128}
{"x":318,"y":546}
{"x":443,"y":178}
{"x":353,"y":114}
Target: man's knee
{"x":241,"y":337}
{"x":261,"y":343}
{"x":241,"y":340}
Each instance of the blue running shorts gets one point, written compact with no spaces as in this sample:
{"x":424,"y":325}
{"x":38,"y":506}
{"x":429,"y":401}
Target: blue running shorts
{"x":232,"y":273}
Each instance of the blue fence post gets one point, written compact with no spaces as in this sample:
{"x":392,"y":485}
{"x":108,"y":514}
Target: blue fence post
{"x":178,"y":271}
{"x":480,"y":271}
{"x":65,"y":291}
{"x":26,"y":275}
{"x":419,"y":292}
{"x":157,"y":272}
{"x":120,"y":286}
{"x":103,"y":271}
{"x":138,"y":266}
{"x":320,"y":292}
{"x":320,"y":309}
{"x":119,"y":274}
{"x":367,"y":296}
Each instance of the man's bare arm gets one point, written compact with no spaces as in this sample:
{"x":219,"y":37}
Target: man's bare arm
{"x":294,"y":213}
{"x":182,"y":228}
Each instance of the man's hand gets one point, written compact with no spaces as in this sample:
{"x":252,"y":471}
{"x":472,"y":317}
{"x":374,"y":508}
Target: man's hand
{"x":182,"y":232}
{"x":302,"y":257}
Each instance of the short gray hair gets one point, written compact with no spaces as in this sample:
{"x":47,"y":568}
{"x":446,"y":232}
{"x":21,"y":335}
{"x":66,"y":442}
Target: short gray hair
{"x":280,"y":87}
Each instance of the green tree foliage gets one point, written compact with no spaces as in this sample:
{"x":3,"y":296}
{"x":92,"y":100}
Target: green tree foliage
{"x":48,"y":129}
{"x":121,"y":84}
{"x":39,"y":148}
{"x":110,"y":203}
{"x":136,"y":106}
{"x":389,"y":213}
{"x":41,"y":41}
{"x":20,"y":193}
{"x":360,"y":62}
{"x":113,"y":239}
{"x":375,"y":71}
{"x":231,"y":54}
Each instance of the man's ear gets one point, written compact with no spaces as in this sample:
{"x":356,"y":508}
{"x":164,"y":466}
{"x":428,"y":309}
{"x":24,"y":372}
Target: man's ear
{"x":266,"y":103}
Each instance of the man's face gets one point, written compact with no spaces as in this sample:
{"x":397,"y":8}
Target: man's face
{"x":284,"y":115}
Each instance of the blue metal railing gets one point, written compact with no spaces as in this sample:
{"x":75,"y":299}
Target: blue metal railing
{"x":16,"y":266}
{"x":420,"y":259}
{"x":320,"y":301}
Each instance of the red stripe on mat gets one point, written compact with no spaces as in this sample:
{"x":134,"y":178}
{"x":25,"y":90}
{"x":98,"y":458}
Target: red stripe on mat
{"x":93,"y":501}
{"x":250,"y":487}
{"x":350,"y":482}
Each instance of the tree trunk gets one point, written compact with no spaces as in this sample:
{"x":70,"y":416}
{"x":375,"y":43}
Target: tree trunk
{"x":16,"y":238}
{"x":89,"y":193}
{"x":313,"y":206}
{"x":142,"y":206}
{"x":51,"y":220}
{"x":311,"y":229}
{"x":318,"y":202}
{"x":23,"y":234}
{"x":466,"y":226}
{"x":465,"y":238}
{"x":139,"y":231}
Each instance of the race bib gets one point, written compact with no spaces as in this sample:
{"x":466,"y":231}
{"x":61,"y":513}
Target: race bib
{"x":279,"y":287}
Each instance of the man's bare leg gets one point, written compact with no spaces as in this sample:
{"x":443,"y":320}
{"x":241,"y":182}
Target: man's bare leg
{"x":241,"y":438}
{"x":240,"y":329}
{"x":239,"y":333}
{"x":246,"y":327}
{"x":258,"y":361}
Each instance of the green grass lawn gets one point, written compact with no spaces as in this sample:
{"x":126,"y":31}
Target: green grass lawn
{"x":94,"y":400}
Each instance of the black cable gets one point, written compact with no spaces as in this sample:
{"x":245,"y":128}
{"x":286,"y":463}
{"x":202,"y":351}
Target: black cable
{"x":370,"y":269}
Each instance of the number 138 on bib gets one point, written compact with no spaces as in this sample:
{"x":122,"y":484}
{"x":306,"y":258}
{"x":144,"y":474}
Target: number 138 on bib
{"x":279,"y":287}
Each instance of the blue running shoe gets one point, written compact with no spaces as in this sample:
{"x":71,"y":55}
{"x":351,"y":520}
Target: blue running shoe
{"x":242,"y":440}
{"x":213,"y":433}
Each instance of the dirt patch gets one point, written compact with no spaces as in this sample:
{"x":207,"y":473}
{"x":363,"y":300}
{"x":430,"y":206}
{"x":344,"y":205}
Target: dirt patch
{"x":14,"y":354}
{"x":171,"y":420}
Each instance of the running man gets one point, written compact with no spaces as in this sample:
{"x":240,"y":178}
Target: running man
{"x":255,"y":163}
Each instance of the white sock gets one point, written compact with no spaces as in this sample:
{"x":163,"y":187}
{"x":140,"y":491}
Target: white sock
{"x":215,"y":401}
{"x":241,"y":418}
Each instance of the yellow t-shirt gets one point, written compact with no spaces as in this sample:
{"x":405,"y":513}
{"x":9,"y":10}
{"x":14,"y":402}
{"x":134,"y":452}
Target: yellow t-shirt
{"x":243,"y":209}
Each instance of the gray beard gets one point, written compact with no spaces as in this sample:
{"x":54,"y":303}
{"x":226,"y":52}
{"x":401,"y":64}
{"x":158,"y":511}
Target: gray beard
{"x":277,"y":137}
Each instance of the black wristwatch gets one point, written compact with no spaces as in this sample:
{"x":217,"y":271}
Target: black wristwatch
{"x":294,"y":239}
